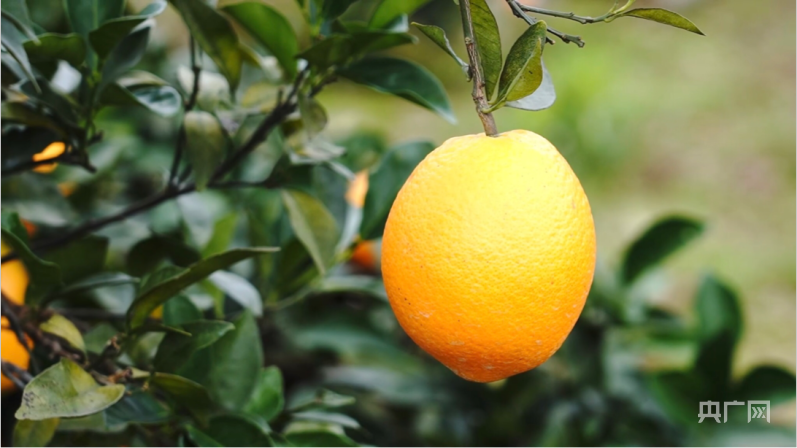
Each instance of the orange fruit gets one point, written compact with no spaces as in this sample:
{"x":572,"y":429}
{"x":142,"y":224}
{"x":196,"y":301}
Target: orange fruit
{"x":52,"y":151}
{"x":488,"y":254}
{"x":14,"y":282}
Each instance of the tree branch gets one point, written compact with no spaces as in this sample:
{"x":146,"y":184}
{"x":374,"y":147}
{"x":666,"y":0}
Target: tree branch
{"x":518,"y":8}
{"x":479,"y":94}
{"x":19,"y":376}
{"x":584,"y":20}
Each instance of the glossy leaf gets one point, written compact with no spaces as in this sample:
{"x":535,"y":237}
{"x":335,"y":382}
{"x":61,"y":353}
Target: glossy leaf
{"x":35,"y":432}
{"x":234,"y":430}
{"x":66,"y":390}
{"x":239,"y":289}
{"x":164,"y":100}
{"x":188,"y":394}
{"x":328,"y":417}
{"x":66,"y":47}
{"x":390,"y":10}
{"x":125,"y":55}
{"x":663,"y":16}
{"x":522,"y":73}
{"x":542,"y":98}
{"x":87,"y":15}
{"x":438,"y":36}
{"x":111,"y":32}
{"x":658,"y":242}
{"x":386,"y":181}
{"x":267,"y":399}
{"x":205,"y":145}
{"x":179,"y":310}
{"x":319,"y":435}
{"x":12,"y":42}
{"x":271,"y":29}
{"x":64,"y":328}
{"x":136,"y":408}
{"x":155,"y":296}
{"x":314,"y":225}
{"x":215,"y":36}
{"x":100,"y":280}
{"x":175,"y":349}
{"x":488,"y":43}
{"x":404,"y":79}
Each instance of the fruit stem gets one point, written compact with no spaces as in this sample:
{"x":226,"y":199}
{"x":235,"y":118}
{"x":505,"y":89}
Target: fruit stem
{"x":475,"y":68}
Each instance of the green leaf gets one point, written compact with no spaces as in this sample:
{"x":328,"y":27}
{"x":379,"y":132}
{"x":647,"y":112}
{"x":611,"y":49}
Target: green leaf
{"x":150,"y":299}
{"x":64,"y":328}
{"x":81,"y":258}
{"x":136,"y":408}
{"x":101,"y":280}
{"x":148,"y":253}
{"x":389,"y":10}
{"x":188,"y":394}
{"x":333,"y":9}
{"x":404,"y":79}
{"x":385,"y":182}
{"x":87,"y":15}
{"x":318,"y":435}
{"x":19,"y":10}
{"x":205,"y":145}
{"x":125,"y":56}
{"x":179,"y":310}
{"x":340,"y":49}
{"x":522,"y":73}
{"x":200,"y":438}
{"x":354,"y":284}
{"x":767,"y":383}
{"x":325,"y":399}
{"x":314,"y":225}
{"x":314,"y":117}
{"x":718,"y":310}
{"x":66,"y":390}
{"x":488,"y":43}
{"x":663,"y":16}
{"x":267,"y":399}
{"x":106,"y":37}
{"x":271,"y":29}
{"x":234,"y":430}
{"x":44,"y":275}
{"x":176,"y":349}
{"x":438,"y":36}
{"x":229,"y":368}
{"x":223,"y":233}
{"x":35,"y":432}
{"x":67,"y":47}
{"x":215,"y":36}
{"x":327,"y":417}
{"x":542,"y":98}
{"x":657,"y":243}
{"x":12,"y":42}
{"x":143,"y":89}
{"x":240,"y":290}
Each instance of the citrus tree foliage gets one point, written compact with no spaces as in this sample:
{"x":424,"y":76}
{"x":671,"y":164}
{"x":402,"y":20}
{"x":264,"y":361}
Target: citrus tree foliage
{"x":188,"y":262}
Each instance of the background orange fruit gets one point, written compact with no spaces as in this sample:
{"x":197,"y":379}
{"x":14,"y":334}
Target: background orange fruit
{"x":489,"y":252}
{"x":366,"y":254}
{"x":14,"y":282}
{"x":52,"y":151}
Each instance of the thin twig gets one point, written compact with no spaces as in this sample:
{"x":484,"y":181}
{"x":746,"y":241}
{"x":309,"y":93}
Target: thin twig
{"x":188,"y":106}
{"x":517,"y":9}
{"x":584,"y":20}
{"x":479,"y":94}
{"x":19,"y":376}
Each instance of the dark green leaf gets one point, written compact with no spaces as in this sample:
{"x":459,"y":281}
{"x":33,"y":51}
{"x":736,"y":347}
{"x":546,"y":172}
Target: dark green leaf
{"x":143,"y":89}
{"x":125,"y":56}
{"x":319,"y":437}
{"x":67,"y":47}
{"x":32,"y":117}
{"x":522,"y":73}
{"x":313,"y":225}
{"x":657,"y":243}
{"x":271,"y":30}
{"x":663,"y":16}
{"x":87,"y":15}
{"x":101,"y":280}
{"x":215,"y":36}
{"x":23,"y":26}
{"x":205,"y":145}
{"x":767,"y":383}
{"x":718,"y":310}
{"x":335,"y":8}
{"x":12,"y":42}
{"x":340,"y":49}
{"x":240,"y":290}
{"x":385,"y":182}
{"x":147,"y":254}
{"x":35,"y":432}
{"x":267,"y":399}
{"x":389,"y":10}
{"x":404,"y":79}
{"x":147,"y":301}
{"x":176,"y":349}
{"x":438,"y":36}
{"x":233,"y":430}
{"x":201,"y":439}
{"x":65,"y":329}
{"x":19,"y":10}
{"x":44,"y":275}
{"x":542,"y":98}
{"x":488,"y":43}
{"x":80,"y":258}
{"x":66,"y":390}
{"x":179,"y":310}
{"x":188,"y":394}
{"x":137,"y":408}
{"x":107,"y":36}
{"x":713,"y":364}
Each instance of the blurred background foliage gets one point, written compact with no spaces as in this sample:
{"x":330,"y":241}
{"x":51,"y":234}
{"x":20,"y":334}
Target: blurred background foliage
{"x":684,"y":145}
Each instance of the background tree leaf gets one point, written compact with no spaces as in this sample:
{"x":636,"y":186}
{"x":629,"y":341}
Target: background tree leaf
{"x":190,"y":395}
{"x":767,"y":383}
{"x":659,"y":241}
{"x":87,"y":15}
{"x":390,"y":10}
{"x":238,"y":289}
{"x":663,"y":16}
{"x":66,"y":390}
{"x":488,"y":42}
{"x":205,"y":145}
{"x":176,"y":349}
{"x":125,"y":56}
{"x":404,"y":79}
{"x":215,"y":36}
{"x":35,"y":432}
{"x":234,"y":430}
{"x":111,"y":32}
{"x":155,"y":296}
{"x":179,"y":310}
{"x":522,"y":73}
{"x":313,"y":225}
{"x":718,"y":310}
{"x":267,"y":399}
{"x":200,"y":438}
{"x":12,"y":42}
{"x":438,"y":36}
{"x":271,"y":29}
{"x":542,"y":98}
